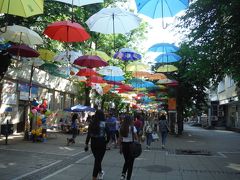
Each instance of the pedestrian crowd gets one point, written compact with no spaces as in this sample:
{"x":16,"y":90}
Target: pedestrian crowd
{"x":107,"y":131}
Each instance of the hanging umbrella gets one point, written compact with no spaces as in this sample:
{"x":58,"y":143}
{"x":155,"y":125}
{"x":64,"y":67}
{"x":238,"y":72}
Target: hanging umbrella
{"x":67,"y":56}
{"x":46,"y":54}
{"x":137,"y":66}
{"x":90,"y":61}
{"x":86,"y":72}
{"x":166,"y":68}
{"x":161,"y":8}
{"x":80,"y":2}
{"x":80,"y":108}
{"x":141,"y":74}
{"x":127,"y":54}
{"x":167,"y":58}
{"x":66,"y":31}
{"x":114,"y":78}
{"x":113,"y":21}
{"x":111,"y":71}
{"x":157,"y":76}
{"x":22,"y":50}
{"x":23,"y":8}
{"x":96,"y":79}
{"x":20,"y":34}
{"x":49,"y":67}
{"x":101,"y":54}
{"x":163,"y":48}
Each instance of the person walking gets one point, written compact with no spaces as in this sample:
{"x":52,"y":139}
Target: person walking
{"x":127,"y":131}
{"x":74,"y":129}
{"x":111,"y":122}
{"x":99,"y":135}
{"x":148,"y":130}
{"x":164,"y":129}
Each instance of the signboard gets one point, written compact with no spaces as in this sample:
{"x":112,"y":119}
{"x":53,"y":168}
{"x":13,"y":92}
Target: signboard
{"x":171,"y":104}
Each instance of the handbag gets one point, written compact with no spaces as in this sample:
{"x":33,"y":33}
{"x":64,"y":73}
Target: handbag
{"x":135,"y":147}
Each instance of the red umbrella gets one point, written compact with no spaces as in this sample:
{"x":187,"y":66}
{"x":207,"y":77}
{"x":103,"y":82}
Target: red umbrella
{"x":66,"y":31}
{"x":114,"y":83}
{"x":126,"y":87}
{"x":86,"y":72}
{"x":90,"y":61}
{"x":96,"y":79}
{"x":22,"y":50}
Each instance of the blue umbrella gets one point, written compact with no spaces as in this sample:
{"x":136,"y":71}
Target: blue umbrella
{"x":114,"y":78}
{"x":161,"y":8}
{"x":80,"y":108}
{"x":163,"y":48}
{"x":127,"y":54}
{"x":168,"y":58}
{"x":139,"y":83}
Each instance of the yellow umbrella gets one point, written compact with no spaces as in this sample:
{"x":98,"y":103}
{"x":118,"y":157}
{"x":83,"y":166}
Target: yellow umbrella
{"x":23,"y":8}
{"x":141,"y":74}
{"x":46,"y":54}
{"x":167,"y":68}
{"x":101,"y":54}
{"x":137,"y":66}
{"x":157,"y":76}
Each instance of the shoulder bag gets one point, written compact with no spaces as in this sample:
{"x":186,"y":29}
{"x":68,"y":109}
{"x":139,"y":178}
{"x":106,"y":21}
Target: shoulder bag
{"x":135,"y":147}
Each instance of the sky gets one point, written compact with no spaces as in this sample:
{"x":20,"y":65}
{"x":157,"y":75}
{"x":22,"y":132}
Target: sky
{"x":156,"y":32}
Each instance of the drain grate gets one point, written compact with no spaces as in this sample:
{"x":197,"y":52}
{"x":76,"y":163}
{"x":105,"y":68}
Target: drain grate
{"x":191,"y":152}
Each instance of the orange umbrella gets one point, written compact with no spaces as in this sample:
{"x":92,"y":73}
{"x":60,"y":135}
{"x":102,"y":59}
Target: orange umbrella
{"x":157,"y":76}
{"x":141,"y":74}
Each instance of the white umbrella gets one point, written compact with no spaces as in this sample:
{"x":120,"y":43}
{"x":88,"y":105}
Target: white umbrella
{"x":21,"y":34}
{"x":67,"y":56}
{"x":113,"y":20}
{"x":111,"y":71}
{"x":80,"y":2}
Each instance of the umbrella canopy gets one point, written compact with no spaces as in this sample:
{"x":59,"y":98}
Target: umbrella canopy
{"x":23,"y":8}
{"x":96,"y":79}
{"x":80,"y":2}
{"x":20,"y":34}
{"x":160,"y":8}
{"x":111,"y":71}
{"x":22,"y":50}
{"x":167,"y":68}
{"x":79,"y":108}
{"x":86,"y":72}
{"x":114,"y":78}
{"x":141,"y":74}
{"x":137,"y":66}
{"x":67,"y":56}
{"x":127,"y":54}
{"x":163,"y":48}
{"x":66,"y":31}
{"x":90,"y":61}
{"x":167,"y":58}
{"x":101,"y":54}
{"x":49,"y":67}
{"x":157,"y":76}
{"x":46,"y":54}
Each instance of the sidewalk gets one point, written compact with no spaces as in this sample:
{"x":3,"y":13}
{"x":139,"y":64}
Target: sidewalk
{"x":197,"y":154}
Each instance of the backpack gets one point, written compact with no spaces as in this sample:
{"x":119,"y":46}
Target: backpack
{"x":148,"y":129}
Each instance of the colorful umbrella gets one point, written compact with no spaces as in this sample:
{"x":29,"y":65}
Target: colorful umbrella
{"x":86,"y":72}
{"x":127,"y":54}
{"x":163,"y":48}
{"x":160,"y":8}
{"x":46,"y":54}
{"x":23,"y":8}
{"x":167,"y":58}
{"x":79,"y":108}
{"x":166,"y":68}
{"x":111,"y":71}
{"x":20,"y":34}
{"x":157,"y":76}
{"x":112,"y":21}
{"x":141,"y":74}
{"x":114,"y":78}
{"x":137,"y":66}
{"x":67,"y":56}
{"x":66,"y":31}
{"x":101,"y":54}
{"x":96,"y":79}
{"x":90,"y":61}
{"x":22,"y":50}
{"x":80,"y":2}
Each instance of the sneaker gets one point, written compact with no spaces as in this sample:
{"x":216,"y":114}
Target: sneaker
{"x":122,"y":177}
{"x":100,"y":175}
{"x":68,"y":142}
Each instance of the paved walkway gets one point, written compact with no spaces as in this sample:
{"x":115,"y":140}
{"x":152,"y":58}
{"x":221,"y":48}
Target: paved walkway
{"x":196,"y":155}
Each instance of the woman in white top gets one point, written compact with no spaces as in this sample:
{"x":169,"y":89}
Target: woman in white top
{"x":127,"y":131}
